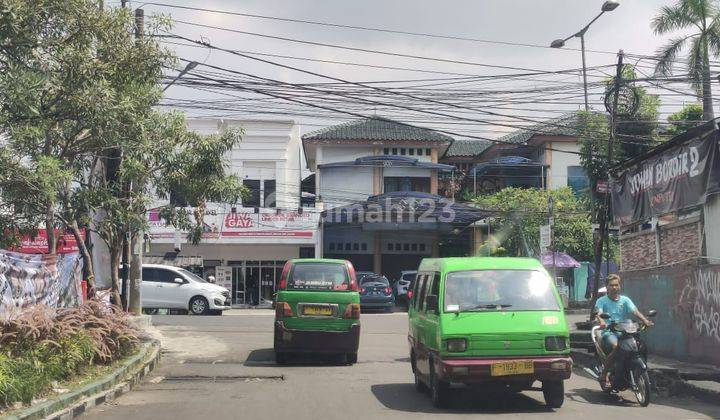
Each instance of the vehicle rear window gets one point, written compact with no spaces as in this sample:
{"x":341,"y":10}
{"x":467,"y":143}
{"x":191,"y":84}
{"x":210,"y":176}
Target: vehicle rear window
{"x":371,"y":279}
{"x":408,"y":277}
{"x":318,"y":276}
{"x":491,"y":290}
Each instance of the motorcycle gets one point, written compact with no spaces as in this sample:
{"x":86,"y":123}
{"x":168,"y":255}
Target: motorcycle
{"x":630,"y":370}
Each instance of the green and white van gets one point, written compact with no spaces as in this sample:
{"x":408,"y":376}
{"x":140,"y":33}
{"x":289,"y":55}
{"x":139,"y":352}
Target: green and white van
{"x":487,"y":322}
{"x":317,"y":309}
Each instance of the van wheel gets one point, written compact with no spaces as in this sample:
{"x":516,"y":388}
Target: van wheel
{"x":438,"y":389}
{"x":419,"y":384}
{"x":351,"y":358}
{"x":199,"y":305}
{"x":554,"y":393}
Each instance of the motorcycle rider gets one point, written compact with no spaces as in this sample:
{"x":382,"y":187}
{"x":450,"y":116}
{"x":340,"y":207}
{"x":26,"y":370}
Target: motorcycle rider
{"x":619,"y":308}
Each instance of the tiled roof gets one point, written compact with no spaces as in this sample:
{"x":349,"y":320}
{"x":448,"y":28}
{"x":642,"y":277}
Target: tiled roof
{"x":565,"y":125}
{"x":467,"y":147}
{"x":376,"y":128}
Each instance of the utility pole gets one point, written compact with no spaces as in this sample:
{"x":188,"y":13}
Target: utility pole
{"x":604,"y":228}
{"x":137,"y":240}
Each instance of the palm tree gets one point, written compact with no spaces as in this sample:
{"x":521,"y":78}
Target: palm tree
{"x":703,"y":17}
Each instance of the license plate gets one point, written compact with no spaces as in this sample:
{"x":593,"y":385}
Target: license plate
{"x":315,"y":310}
{"x":517,"y":367}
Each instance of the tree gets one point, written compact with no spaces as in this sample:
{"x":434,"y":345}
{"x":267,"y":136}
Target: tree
{"x":688,"y":117}
{"x":520,"y":213}
{"x":85,"y":145}
{"x":702,"y":17}
{"x":637,"y":133}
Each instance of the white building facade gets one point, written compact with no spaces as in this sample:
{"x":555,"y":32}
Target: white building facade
{"x":245,"y":245}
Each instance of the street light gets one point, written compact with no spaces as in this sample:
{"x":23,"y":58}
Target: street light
{"x":608,"y":6}
{"x":191,"y":65}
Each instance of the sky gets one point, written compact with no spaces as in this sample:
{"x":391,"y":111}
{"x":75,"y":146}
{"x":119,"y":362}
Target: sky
{"x":515,"y":21}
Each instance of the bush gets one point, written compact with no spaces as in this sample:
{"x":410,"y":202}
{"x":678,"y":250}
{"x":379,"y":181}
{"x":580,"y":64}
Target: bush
{"x":44,"y":345}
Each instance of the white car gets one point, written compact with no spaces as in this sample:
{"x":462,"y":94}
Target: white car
{"x":165,"y":286}
{"x":406,"y":277}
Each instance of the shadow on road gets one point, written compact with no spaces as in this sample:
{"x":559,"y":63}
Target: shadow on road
{"x":266,"y":357}
{"x":404,"y":397}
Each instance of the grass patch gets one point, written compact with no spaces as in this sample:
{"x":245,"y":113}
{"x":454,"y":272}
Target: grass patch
{"x":45,"y":347}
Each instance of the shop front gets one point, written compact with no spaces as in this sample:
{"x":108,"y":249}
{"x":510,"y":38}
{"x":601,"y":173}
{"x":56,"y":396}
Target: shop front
{"x":245,"y":249}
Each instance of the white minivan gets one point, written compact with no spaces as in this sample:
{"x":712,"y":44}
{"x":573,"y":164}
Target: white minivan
{"x":165,"y":286}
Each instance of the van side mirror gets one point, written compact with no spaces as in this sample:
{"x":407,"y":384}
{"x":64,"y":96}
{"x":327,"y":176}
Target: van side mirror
{"x":652,"y":313}
{"x":178,"y":280}
{"x":431,"y":303}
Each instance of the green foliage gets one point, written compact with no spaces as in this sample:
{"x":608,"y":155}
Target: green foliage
{"x":688,"y":117}
{"x":702,"y":18}
{"x":43,"y":345}
{"x":34,"y":367}
{"x":521,"y":212}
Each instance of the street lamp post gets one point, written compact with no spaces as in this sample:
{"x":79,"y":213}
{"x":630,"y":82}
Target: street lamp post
{"x":190,"y":65}
{"x":608,"y":6}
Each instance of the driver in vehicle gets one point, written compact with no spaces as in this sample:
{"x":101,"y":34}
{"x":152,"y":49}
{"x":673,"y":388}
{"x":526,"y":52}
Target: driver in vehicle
{"x":619,"y":308}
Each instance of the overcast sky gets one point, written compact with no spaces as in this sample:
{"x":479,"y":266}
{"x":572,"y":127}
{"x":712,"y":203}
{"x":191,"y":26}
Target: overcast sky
{"x":517,"y":21}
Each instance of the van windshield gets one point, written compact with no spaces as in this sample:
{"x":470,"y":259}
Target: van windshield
{"x":494,"y":290}
{"x":318,"y":276}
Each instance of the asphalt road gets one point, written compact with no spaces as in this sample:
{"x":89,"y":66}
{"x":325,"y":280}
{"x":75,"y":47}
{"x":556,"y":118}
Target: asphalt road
{"x":223,"y":368}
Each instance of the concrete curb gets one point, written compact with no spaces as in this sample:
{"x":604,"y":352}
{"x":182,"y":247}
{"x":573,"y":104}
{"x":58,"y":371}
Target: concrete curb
{"x":665,"y":382}
{"x":74,"y":403}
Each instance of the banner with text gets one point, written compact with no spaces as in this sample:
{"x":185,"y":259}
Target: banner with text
{"x":220,"y":223}
{"x":677,"y":178}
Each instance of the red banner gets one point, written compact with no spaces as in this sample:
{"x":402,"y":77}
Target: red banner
{"x":39,"y":244}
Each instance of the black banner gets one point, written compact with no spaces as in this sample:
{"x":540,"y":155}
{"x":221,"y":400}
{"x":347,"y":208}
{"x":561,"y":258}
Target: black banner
{"x":677,"y":178}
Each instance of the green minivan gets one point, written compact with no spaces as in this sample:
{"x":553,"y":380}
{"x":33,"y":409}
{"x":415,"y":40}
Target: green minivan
{"x":317,"y":310}
{"x":485,"y":321}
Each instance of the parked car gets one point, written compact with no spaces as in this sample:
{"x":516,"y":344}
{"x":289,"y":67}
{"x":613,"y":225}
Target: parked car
{"x":490,"y":321}
{"x":165,"y":286}
{"x":376,"y":293}
{"x":317,"y":310}
{"x":402,"y":284}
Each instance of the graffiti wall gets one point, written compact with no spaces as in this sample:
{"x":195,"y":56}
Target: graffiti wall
{"x":30,"y":279}
{"x":687,"y":297}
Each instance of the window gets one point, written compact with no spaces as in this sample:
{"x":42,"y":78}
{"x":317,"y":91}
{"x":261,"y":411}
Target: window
{"x":423,"y":292}
{"x":149,"y":274}
{"x":318,"y":276}
{"x":339,"y":246}
{"x":414,"y":247}
{"x":332,"y":246}
{"x":394,"y":151}
{"x":166,"y":276}
{"x":347,"y":246}
{"x":253,"y":185}
{"x":419,"y":285}
{"x":402,"y":151}
{"x":356,"y":246}
{"x":406,"y":247}
{"x":386,"y":151}
{"x":427,"y":152}
{"x":411,"y":152}
{"x":389,"y":247}
{"x":269,"y":193}
{"x":493,"y":290}
{"x":397,"y":183}
{"x":363,"y":246}
{"x":422,"y":247}
{"x":398,"y":247}
{"x":577,"y":179}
